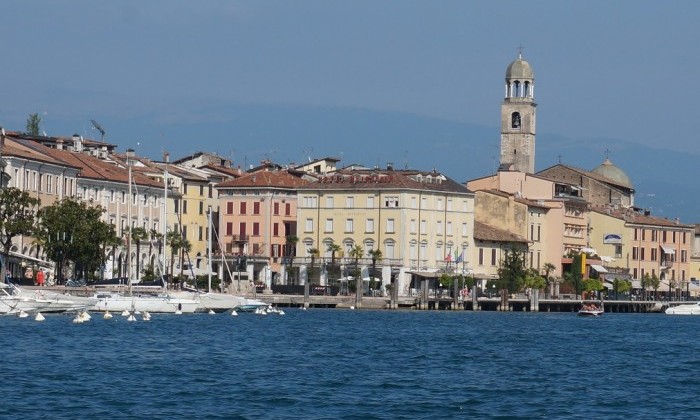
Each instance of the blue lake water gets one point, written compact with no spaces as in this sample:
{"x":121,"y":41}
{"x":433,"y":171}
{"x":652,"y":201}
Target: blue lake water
{"x":325,"y":363}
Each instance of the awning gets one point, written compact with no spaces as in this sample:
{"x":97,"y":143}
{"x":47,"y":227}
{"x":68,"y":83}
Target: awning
{"x":668,"y":250}
{"x":609,"y":285}
{"x":599,"y":268}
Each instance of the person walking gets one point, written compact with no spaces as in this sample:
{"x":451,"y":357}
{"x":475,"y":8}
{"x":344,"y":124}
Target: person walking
{"x":40,"y":278}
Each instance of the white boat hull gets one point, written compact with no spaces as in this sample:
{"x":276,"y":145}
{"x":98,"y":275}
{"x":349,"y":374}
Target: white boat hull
{"x":115,"y":302}
{"x":688,"y":309}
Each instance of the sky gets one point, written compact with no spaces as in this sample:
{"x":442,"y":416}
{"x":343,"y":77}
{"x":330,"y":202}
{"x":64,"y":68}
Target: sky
{"x":621,"y":69}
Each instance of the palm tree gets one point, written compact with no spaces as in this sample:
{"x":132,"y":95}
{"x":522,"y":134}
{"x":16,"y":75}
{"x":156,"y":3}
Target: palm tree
{"x":548,"y":268}
{"x":313,"y":252}
{"x":333,"y":248}
{"x":175,"y":242}
{"x":291,"y":241}
{"x":356,"y":253}
{"x":156,"y":237}
{"x":376,"y":255}
{"x":138,"y":235}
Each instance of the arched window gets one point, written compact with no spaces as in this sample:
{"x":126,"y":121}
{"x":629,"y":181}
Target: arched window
{"x":515,"y":120}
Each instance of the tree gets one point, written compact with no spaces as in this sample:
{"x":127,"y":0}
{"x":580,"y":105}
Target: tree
{"x":138,"y":235}
{"x":177,"y":244}
{"x":511,"y":273}
{"x":377,"y":256}
{"x":654,"y":283}
{"x":291,"y":241}
{"x":17,"y":217}
{"x":73,"y":231}
{"x":548,"y":269}
{"x":33,"y":124}
{"x":156,"y":237}
{"x":333,"y":248}
{"x":533,"y":280}
{"x":356,"y":253}
{"x":313,"y":252}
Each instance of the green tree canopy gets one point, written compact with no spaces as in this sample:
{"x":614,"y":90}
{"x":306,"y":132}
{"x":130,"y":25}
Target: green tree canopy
{"x":34,"y":124}
{"x":511,"y":273}
{"x":72,"y":230}
{"x":17,"y":217}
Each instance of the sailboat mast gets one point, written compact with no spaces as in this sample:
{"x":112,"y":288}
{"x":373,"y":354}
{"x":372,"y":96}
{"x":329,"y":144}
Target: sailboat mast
{"x":165,"y":217}
{"x":128,"y":221}
{"x":209,"y":248}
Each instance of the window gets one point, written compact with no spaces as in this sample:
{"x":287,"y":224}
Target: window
{"x":439,"y":227}
{"x":464,"y":229}
{"x":390,"y":226}
{"x":309,"y":226}
{"x":391,"y":201}
{"x":201,"y":190}
{"x":449,"y":228}
{"x":184,"y":188}
{"x":350,"y":202}
{"x":177,"y":206}
{"x":309,"y":202}
{"x":481,"y":256}
{"x":422,"y":227}
{"x":641,"y":254}
{"x":243,"y":207}
{"x":330,"y":201}
{"x":201,"y":207}
{"x":413,"y":226}
{"x":200,"y":233}
{"x":635,"y":251}
{"x":389,"y":249}
{"x":276,"y":209}
{"x":370,"y":202}
{"x":493,"y":256}
{"x":618,"y":252}
{"x":229,"y":207}
{"x":369,"y":226}
{"x":515,"y":120}
{"x":287,"y":209}
{"x":439,"y":204}
{"x":256,"y":229}
{"x":348,"y":226}
{"x":256,"y":207}
{"x":275,"y":229}
{"x":329,"y":225}
{"x":414,"y":203}
{"x":184,"y":206}
{"x":242,"y":229}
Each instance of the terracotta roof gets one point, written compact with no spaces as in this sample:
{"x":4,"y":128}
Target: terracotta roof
{"x":373,"y":179}
{"x":98,"y":169}
{"x":484,"y":232}
{"x":265,"y":179}
{"x":589,"y":174}
{"x":232,"y":172}
{"x":643,"y":219}
{"x":27,"y":149}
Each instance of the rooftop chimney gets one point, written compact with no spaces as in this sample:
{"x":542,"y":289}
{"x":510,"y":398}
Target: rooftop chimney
{"x":77,"y":143}
{"x":166,"y":157}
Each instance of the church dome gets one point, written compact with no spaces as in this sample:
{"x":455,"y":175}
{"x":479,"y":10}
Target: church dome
{"x":520,"y":70}
{"x":613,"y":173}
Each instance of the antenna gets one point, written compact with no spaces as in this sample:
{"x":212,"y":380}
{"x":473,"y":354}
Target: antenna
{"x":99,"y":128}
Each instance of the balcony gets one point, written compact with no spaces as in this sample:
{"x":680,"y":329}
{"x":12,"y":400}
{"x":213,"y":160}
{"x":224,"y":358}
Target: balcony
{"x":240,"y":238}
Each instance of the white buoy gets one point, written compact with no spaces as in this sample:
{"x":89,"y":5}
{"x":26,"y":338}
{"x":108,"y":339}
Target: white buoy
{"x":146,"y":316}
{"x":352,"y":307}
{"x":22,"y":314}
{"x":281,"y":312}
{"x":303,"y":308}
{"x":178,"y":312}
{"x":107,"y":315}
{"x":131,"y":318}
{"x":234,"y":313}
{"x":211,"y":312}
{"x":125,"y":313}
{"x":39,"y":317}
{"x":78,"y":319}
{"x":85,"y":316}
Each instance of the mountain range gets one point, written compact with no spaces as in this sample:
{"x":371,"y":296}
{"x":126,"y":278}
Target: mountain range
{"x":249,"y":133}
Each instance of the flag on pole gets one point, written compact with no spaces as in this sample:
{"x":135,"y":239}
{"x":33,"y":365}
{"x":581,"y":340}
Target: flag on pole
{"x":460,"y":258}
{"x":448,"y":257}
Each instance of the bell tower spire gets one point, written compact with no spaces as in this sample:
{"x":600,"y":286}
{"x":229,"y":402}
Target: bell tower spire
{"x":518,"y":118}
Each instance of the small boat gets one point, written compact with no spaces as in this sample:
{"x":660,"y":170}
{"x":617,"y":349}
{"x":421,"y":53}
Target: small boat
{"x":590,"y":310}
{"x":252,"y":305}
{"x":686,"y":309}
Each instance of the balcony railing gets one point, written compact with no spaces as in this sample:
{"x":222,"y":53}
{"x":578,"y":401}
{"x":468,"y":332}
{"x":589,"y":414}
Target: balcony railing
{"x":240,"y":238}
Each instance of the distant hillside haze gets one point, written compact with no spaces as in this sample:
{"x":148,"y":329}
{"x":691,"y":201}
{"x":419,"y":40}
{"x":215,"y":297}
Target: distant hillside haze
{"x":294,"y":133}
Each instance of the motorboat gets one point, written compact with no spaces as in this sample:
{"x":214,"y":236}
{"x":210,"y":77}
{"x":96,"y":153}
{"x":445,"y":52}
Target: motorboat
{"x":210,"y":301}
{"x":686,"y":309}
{"x":590,"y":310}
{"x":162,"y":303}
{"x":251,"y":305}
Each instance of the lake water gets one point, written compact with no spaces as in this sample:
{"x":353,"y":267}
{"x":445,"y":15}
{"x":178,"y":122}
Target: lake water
{"x":326,"y":363}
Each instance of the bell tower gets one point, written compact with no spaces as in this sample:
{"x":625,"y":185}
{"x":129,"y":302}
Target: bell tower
{"x":518,"y":119}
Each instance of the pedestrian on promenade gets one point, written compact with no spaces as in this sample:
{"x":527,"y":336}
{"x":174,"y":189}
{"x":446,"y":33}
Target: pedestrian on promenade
{"x":40,"y":278}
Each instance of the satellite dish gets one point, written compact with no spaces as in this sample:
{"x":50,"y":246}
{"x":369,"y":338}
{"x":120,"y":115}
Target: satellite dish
{"x":99,"y":128}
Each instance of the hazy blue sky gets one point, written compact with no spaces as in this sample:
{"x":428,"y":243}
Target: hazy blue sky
{"x":619,"y":69}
